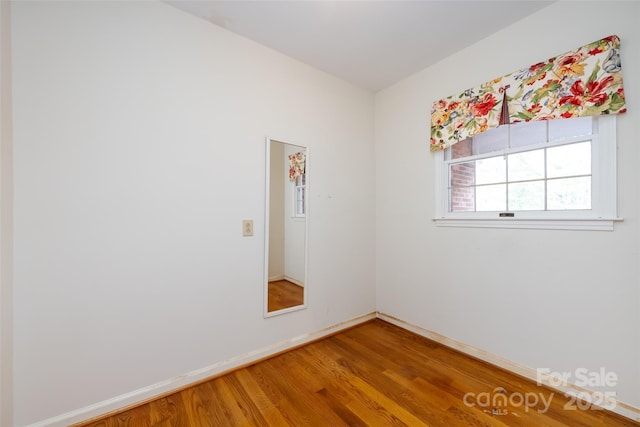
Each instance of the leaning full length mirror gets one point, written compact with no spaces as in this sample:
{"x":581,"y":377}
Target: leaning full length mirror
{"x":286,"y":228}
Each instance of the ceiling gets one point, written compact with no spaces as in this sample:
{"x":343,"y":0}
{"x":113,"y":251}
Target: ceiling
{"x":372,"y":44}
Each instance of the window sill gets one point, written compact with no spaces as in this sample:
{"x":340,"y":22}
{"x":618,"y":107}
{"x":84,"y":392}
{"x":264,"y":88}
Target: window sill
{"x":597,"y":224}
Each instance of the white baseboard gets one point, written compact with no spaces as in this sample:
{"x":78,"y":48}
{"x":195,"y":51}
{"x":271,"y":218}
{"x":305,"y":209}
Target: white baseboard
{"x":294,"y":281}
{"x":287,"y":278}
{"x":620,"y":408}
{"x":164,"y":387}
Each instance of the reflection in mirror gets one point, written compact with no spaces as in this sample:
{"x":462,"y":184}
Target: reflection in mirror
{"x":286,"y":228}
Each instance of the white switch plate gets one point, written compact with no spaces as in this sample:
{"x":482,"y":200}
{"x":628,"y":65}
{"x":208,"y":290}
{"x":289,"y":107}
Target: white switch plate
{"x":247,"y":227}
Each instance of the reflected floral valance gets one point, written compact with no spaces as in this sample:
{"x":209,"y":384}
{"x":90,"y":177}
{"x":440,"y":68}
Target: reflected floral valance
{"x":296,"y":165}
{"x":584,"y":82}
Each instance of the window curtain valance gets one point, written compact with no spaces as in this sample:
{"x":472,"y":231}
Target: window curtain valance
{"x":584,"y":82}
{"x":296,"y":165}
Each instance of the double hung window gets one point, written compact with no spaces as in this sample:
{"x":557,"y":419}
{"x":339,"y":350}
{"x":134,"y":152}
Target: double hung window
{"x":299,"y":193}
{"x":542,"y":174}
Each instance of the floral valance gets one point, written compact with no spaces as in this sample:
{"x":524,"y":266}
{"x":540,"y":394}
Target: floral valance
{"x":296,"y":165}
{"x":584,"y":82}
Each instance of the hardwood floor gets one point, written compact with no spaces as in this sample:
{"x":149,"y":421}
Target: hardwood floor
{"x":374,"y":374}
{"x":284,"y":294}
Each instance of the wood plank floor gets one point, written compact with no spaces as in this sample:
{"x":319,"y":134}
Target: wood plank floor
{"x":284,"y":294}
{"x":374,"y":374}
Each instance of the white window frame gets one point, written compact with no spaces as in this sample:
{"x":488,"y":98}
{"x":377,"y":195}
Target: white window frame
{"x":303,"y":188}
{"x":601,"y":216}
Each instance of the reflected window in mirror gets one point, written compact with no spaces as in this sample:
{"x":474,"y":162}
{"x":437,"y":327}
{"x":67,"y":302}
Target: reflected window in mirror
{"x":299,"y":190}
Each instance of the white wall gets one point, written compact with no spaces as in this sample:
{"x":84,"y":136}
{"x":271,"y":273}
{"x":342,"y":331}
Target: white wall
{"x":139,"y":148}
{"x":276,"y":211}
{"x":6,"y":220}
{"x":556,"y":299}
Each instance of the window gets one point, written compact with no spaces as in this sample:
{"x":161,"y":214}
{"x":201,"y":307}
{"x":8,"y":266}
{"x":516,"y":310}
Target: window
{"x":540,"y":174}
{"x":299,"y":190}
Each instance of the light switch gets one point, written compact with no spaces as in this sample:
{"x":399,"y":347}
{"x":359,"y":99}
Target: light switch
{"x":247,"y":227}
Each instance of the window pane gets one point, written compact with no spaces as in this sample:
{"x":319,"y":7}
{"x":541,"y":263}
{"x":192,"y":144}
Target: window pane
{"x":300,"y":200}
{"x":491,"y":198}
{"x":569,"y":193}
{"x":461,"y":192}
{"x":527,"y":133}
{"x":462,"y":174}
{"x":526,"y":196}
{"x":526,"y":166}
{"x":565,"y":128}
{"x":491,"y":140}
{"x":461,"y":199}
{"x":491,"y":170}
{"x":461,"y":149}
{"x":569,"y":160}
